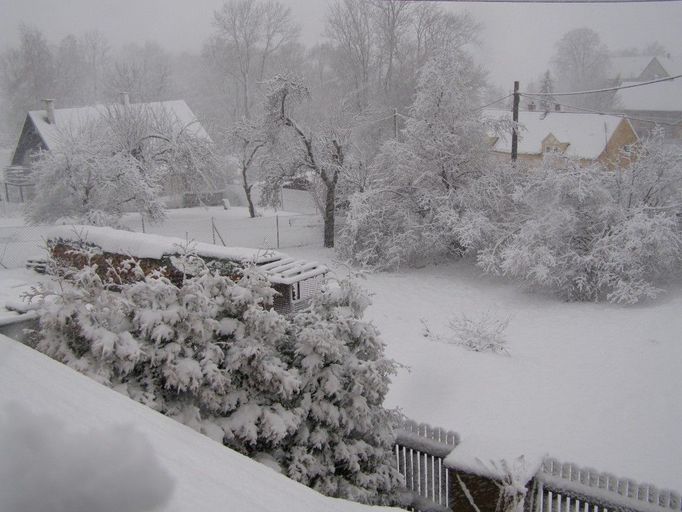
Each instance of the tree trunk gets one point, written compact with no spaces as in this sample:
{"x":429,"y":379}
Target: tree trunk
{"x":247,"y":191}
{"x":329,"y":209}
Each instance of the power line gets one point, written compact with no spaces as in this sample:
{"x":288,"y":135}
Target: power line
{"x":553,"y":1}
{"x":616,"y":114}
{"x":608,"y":89}
{"x":493,"y":102}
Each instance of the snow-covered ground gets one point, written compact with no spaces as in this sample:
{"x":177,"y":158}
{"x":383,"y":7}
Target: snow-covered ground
{"x":593,"y":384}
{"x":120,"y":454}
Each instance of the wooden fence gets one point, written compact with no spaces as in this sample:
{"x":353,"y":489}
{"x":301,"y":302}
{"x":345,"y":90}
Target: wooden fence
{"x":568,"y":487}
{"x":421,"y":451}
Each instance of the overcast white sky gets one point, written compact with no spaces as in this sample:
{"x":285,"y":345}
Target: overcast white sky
{"x":518,"y":39}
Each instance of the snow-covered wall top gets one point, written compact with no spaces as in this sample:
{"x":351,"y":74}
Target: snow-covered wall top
{"x":142,"y":245}
{"x":278,"y":268}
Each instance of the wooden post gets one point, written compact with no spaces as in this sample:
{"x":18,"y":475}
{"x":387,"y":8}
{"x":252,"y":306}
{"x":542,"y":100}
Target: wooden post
{"x":213,"y":230}
{"x":277,"y":226}
{"x":142,"y":219}
{"x":515,"y":118}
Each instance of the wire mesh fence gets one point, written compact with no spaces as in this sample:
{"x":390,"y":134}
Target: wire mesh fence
{"x":20,"y":242}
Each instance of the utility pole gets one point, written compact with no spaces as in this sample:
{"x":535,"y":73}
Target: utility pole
{"x":515,"y":118}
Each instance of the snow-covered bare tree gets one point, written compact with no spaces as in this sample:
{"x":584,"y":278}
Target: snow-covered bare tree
{"x":142,"y":71}
{"x":121,"y":161}
{"x":407,"y":217}
{"x":323,"y":154}
{"x":581,"y":61}
{"x":87,"y":180}
{"x":587,"y":233}
{"x":349,"y":26}
{"x":249,"y":34}
{"x":249,"y":141}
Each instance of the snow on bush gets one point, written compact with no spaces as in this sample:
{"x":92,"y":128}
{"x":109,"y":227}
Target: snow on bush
{"x":407,"y":218}
{"x":590,"y":233}
{"x":343,"y":447}
{"x":45,"y":467}
{"x":482,"y":334}
{"x":305,"y":392}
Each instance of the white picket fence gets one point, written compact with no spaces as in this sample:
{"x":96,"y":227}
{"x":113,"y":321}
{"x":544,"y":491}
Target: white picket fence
{"x":420,"y":453}
{"x":421,"y":450}
{"x":563,"y":487}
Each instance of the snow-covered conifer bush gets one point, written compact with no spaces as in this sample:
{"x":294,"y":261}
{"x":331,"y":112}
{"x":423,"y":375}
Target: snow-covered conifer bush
{"x":205,"y":352}
{"x":343,"y":446}
{"x":303,"y":391}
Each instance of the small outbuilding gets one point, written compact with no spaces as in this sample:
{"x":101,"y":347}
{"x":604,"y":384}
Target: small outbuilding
{"x":296,"y":281}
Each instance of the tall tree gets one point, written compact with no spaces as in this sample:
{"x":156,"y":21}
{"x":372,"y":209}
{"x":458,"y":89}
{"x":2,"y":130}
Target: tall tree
{"x":249,"y":34}
{"x":27,"y":75}
{"x":349,"y":26}
{"x":321,"y":152}
{"x":581,"y":61}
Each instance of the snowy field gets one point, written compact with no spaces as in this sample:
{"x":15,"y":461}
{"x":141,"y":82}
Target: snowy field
{"x":593,"y":384}
{"x":90,"y":448}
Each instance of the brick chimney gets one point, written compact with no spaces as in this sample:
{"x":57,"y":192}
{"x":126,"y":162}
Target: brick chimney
{"x":49,"y":110}
{"x":125,"y":99}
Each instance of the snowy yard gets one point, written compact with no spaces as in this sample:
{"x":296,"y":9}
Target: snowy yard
{"x":593,"y":384}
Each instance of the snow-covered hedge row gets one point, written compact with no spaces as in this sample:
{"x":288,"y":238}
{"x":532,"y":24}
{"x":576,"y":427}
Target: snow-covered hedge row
{"x":589,"y":233}
{"x":304,"y":392}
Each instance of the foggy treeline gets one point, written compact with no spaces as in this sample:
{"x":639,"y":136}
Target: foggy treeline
{"x":368,"y":58}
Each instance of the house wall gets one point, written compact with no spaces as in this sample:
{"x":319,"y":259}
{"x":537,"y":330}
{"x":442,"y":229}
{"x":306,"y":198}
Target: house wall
{"x":623,"y":135}
{"x":29,"y":144}
{"x":653,"y":71}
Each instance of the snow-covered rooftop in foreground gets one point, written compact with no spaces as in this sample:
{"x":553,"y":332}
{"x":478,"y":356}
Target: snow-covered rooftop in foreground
{"x":586,"y":134}
{"x":73,"y":119}
{"x":206,"y":476}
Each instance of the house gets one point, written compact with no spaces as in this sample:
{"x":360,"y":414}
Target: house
{"x":582,"y":136}
{"x":296,"y":281}
{"x":658,"y":104}
{"x":639,"y":69}
{"x":42,"y":129}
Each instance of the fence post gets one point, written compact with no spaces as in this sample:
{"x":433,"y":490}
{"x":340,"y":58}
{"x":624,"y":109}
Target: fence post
{"x":213,"y":229}
{"x":142,"y":219}
{"x":277,"y":225}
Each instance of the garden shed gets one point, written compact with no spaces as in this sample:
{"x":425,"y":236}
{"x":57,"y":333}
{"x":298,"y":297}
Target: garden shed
{"x":296,"y":281}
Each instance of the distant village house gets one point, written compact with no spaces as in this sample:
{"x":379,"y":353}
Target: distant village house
{"x":587,"y":138}
{"x":41,"y":132}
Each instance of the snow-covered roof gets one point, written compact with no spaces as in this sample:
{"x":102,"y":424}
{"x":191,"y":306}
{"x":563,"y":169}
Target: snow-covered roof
{"x":289,"y":270}
{"x":586,"y":134}
{"x":662,"y":96}
{"x":64,"y":406}
{"x":71,"y":119}
{"x":276,"y":265}
{"x":673,"y":65}
{"x":629,"y":67}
